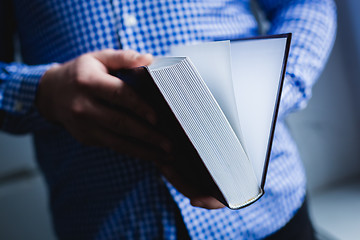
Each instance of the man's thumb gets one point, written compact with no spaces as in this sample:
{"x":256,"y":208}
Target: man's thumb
{"x":118,"y":59}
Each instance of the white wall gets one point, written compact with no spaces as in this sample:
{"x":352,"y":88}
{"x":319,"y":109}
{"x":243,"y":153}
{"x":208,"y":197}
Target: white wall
{"x":328,"y":131}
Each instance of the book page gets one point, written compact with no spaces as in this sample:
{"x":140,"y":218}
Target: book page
{"x":212,"y":60}
{"x":164,"y":62}
{"x":257,"y":66}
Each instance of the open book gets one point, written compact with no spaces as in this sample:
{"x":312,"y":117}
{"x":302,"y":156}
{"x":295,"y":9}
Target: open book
{"x":218,"y":103}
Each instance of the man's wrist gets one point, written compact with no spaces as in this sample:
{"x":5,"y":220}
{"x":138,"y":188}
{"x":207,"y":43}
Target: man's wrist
{"x":21,"y":83}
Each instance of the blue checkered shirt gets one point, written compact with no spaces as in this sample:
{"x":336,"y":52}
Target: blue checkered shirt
{"x":96,"y":193}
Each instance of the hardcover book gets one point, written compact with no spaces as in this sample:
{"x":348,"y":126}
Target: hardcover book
{"x":218,"y":104}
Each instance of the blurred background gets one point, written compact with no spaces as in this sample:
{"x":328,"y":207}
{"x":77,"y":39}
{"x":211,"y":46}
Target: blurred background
{"x":327,"y":133}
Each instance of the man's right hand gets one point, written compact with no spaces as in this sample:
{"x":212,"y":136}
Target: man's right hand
{"x":99,"y":109}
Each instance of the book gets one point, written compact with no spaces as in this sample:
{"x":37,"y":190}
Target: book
{"x":218,"y":103}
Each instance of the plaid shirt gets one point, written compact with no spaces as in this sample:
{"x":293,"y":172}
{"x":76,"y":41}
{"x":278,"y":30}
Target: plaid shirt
{"x":96,"y":193}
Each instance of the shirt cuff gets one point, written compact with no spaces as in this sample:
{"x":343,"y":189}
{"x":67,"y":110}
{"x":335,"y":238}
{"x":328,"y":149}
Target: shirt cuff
{"x":18,"y":86}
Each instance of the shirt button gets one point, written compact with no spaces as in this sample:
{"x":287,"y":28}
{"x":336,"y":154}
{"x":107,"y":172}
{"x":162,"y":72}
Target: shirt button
{"x":18,"y":106}
{"x":129,"y":20}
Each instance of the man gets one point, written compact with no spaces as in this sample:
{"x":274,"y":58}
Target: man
{"x":95,"y":139}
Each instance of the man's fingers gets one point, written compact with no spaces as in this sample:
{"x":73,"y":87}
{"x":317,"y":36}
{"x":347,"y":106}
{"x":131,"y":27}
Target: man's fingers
{"x":116,"y":92}
{"x":131,"y":148}
{"x":112,"y":89}
{"x":206,"y":202}
{"x":125,"y":125}
{"x":118,"y":59}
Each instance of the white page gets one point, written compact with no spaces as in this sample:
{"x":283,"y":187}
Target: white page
{"x":257,"y":66}
{"x":212,"y":60}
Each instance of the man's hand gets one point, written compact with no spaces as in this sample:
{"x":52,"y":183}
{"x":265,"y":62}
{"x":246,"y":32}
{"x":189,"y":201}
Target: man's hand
{"x":99,"y":109}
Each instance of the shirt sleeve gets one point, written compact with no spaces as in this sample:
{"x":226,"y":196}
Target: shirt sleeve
{"x":18,"y":86}
{"x":313,"y":25}
{"x":18,"y":82}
